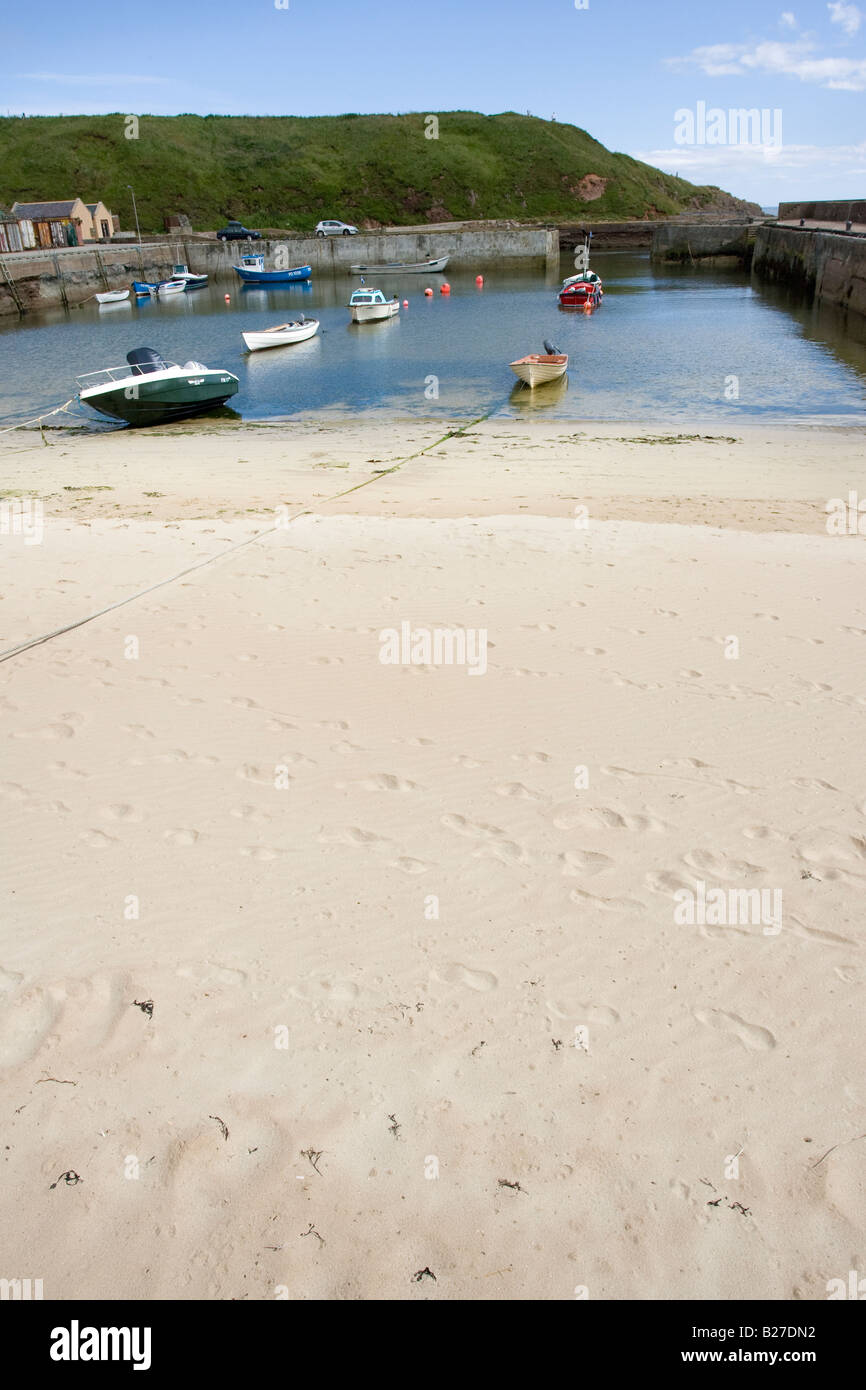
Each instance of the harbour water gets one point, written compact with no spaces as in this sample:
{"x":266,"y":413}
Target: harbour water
{"x":668,"y":344}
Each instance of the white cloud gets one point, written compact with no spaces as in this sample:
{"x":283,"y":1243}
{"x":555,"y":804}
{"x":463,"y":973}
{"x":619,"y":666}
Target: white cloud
{"x":103,"y":79}
{"x":845,"y":15}
{"x":797,"y":59}
{"x":788,"y":20}
{"x":754,"y":171}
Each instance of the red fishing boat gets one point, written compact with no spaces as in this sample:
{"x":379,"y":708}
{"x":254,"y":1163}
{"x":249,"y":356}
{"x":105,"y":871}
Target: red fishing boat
{"x":581,"y":290}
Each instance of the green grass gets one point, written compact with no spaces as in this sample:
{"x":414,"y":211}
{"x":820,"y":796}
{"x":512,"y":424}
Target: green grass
{"x":287,"y":172}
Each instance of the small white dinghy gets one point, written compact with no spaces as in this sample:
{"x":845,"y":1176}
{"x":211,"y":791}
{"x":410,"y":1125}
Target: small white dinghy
{"x":112,"y":296}
{"x":281,"y":334}
{"x":172,"y":286}
{"x":540,"y":367}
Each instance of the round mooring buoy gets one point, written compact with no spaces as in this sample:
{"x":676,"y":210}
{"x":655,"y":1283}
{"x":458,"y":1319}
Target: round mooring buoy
{"x":445,"y":289}
{"x":428,"y":293}
{"x":479,"y":280}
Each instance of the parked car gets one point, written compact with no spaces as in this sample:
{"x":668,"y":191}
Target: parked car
{"x":331,"y":228}
{"x":236,"y":231}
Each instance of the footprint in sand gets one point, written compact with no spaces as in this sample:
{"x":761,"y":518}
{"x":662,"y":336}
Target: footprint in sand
{"x":181,"y":835}
{"x":250,"y":813}
{"x":606,"y":818}
{"x":261,"y":853}
{"x":470,"y":830}
{"x":751,"y":1035}
{"x":409,"y":865}
{"x":54,"y":732}
{"x":250,"y":772}
{"x":351,"y":835}
{"x":506,"y":851}
{"x":584,"y":1013}
{"x":456,"y":974}
{"x":97,"y":839}
{"x":812,"y":784}
{"x":531,"y":757}
{"x":703,"y":861}
{"x":577,"y":863}
{"x":387,"y":782}
{"x":762,"y":832}
{"x":668,"y":883}
{"x":120,"y":812}
{"x":517,"y":789}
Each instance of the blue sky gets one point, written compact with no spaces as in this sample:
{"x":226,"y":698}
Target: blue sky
{"x":622,"y":69}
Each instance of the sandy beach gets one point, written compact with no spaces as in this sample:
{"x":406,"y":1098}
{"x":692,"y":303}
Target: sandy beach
{"x":329,"y":977}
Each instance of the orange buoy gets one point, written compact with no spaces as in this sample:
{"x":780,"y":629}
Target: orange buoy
{"x":405,"y":304}
{"x":479,"y":279}
{"x":445,"y":289}
{"x":228,"y":299}
{"x":428,"y":293}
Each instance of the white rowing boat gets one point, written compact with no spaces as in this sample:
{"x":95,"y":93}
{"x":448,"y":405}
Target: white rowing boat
{"x":281,"y":334}
{"x":401,"y":267}
{"x":112,"y":296}
{"x":540,"y":367}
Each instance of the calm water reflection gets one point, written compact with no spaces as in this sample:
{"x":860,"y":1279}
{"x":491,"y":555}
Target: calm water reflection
{"x":663,"y":347}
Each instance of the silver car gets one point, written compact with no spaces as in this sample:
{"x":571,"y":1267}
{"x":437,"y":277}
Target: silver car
{"x":332,"y":228}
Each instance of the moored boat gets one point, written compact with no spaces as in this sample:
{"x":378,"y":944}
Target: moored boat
{"x":401,"y":267}
{"x":171,"y":287}
{"x":538,"y":368}
{"x":581,"y":290}
{"x":150,"y":391}
{"x":142,"y":288}
{"x":252,"y":271}
{"x":368,"y":306}
{"x":281,"y":335}
{"x":112,"y":296}
{"x":181,"y":271}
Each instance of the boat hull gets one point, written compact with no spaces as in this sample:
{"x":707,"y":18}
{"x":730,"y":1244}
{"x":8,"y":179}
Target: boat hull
{"x":142,"y":402}
{"x":256,"y":342}
{"x":539,"y":371}
{"x":401,"y":267}
{"x":273,"y":277}
{"x":372,"y":313}
{"x":113,"y":297}
{"x":142,"y":289}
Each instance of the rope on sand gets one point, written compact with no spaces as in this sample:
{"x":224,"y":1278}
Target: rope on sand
{"x":38,"y":418}
{"x":259,"y":535}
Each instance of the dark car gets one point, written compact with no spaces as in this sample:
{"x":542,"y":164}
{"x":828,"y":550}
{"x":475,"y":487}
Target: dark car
{"x":236,"y":231}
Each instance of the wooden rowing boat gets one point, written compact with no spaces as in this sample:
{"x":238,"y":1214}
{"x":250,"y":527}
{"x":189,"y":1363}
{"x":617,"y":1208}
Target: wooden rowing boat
{"x":434,"y":267}
{"x":538,"y":368}
{"x":281,"y":334}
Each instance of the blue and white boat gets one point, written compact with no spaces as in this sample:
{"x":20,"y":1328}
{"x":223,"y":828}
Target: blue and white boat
{"x":143,"y":289}
{"x":252,"y":272}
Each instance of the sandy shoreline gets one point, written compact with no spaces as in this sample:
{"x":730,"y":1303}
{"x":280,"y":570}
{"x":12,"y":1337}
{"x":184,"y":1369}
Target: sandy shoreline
{"x":421,"y":1000}
{"x":754,"y":478}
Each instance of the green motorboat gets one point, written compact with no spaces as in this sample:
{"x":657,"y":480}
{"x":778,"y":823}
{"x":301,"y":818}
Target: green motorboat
{"x":150,"y":391}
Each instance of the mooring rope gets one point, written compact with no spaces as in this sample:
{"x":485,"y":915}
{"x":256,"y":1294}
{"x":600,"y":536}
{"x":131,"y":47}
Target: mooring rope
{"x":259,"y":535}
{"x":22,"y":424}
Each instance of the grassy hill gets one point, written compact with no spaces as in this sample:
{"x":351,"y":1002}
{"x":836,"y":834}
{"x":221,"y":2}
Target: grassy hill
{"x":289,"y":171}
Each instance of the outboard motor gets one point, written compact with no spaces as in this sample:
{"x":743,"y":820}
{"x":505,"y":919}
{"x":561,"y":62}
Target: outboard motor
{"x":145,"y":360}
{"x":551,"y":350}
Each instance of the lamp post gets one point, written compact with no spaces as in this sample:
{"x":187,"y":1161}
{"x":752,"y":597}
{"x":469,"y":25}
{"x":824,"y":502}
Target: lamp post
{"x":137,"y":230}
{"x":135,"y":211}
